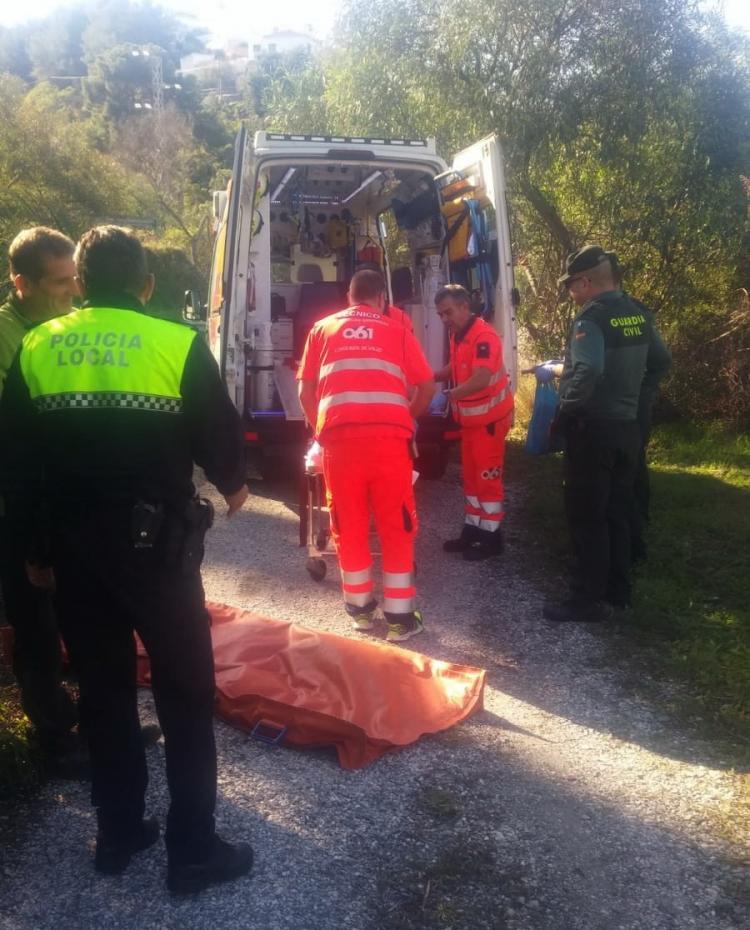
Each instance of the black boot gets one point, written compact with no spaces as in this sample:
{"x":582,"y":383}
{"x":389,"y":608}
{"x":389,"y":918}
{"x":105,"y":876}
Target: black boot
{"x":223,"y":863}
{"x":113,"y":851}
{"x":485,"y":546}
{"x":467,"y":537}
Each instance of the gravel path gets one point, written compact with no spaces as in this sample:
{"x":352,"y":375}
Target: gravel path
{"x":571,"y":802}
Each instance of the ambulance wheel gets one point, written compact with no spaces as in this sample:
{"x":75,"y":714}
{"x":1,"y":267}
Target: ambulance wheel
{"x":316,"y":568}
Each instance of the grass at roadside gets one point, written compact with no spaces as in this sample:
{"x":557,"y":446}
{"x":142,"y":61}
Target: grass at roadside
{"x":695,"y":593}
{"x":692,"y":598}
{"x":20,"y":765}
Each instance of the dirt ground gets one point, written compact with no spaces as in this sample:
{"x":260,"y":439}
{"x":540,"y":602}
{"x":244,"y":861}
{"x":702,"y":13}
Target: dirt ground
{"x":573,"y":801}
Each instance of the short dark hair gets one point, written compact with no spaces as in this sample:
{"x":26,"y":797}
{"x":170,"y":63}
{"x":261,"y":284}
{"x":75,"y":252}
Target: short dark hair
{"x":366,"y":285}
{"x":456,"y":291}
{"x":32,"y":246}
{"x":369,"y":266}
{"x":110,"y":261}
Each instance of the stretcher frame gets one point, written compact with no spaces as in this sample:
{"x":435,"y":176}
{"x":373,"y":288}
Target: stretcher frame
{"x":317,"y":525}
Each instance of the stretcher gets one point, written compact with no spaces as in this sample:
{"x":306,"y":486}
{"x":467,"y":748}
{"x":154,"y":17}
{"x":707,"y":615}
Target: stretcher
{"x":316,"y":520}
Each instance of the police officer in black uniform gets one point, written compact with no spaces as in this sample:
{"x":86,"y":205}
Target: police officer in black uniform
{"x":104,"y":413}
{"x":614,"y":347}
{"x":42,"y":273}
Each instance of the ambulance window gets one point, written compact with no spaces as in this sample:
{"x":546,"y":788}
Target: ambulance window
{"x":394,"y":239}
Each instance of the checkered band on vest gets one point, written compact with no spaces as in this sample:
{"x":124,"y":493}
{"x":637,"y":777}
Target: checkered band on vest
{"x":80,"y":399}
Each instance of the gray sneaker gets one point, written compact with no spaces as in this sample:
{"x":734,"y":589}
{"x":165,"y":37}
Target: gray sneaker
{"x":400,"y":632}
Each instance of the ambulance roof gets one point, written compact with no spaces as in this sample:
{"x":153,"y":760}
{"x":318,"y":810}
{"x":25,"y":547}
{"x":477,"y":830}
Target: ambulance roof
{"x":374,"y":148}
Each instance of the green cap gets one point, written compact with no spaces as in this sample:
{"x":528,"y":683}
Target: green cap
{"x":584,"y":260}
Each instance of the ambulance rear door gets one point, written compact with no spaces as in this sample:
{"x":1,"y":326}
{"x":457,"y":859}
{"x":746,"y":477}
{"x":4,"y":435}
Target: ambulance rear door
{"x":228,"y":340}
{"x":477,"y":176}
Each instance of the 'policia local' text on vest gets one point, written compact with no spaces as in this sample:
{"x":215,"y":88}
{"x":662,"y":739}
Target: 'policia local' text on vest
{"x":362,"y":379}
{"x":104,"y":357}
{"x":492,"y":403}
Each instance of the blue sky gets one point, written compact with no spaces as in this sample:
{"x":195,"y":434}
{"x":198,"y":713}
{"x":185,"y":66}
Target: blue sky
{"x":233,"y":18}
{"x":223,"y":18}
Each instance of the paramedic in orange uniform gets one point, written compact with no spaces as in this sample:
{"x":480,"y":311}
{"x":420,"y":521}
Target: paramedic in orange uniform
{"x":482,"y":403}
{"x":358,"y":372}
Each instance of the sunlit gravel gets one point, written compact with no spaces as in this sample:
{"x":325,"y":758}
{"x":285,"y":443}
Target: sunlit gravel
{"x":572,"y":802}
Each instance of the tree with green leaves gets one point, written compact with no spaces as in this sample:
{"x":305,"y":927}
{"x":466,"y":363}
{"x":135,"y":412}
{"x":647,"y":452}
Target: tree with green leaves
{"x":49,"y":175}
{"x":623,"y":121}
{"x":99,"y":82}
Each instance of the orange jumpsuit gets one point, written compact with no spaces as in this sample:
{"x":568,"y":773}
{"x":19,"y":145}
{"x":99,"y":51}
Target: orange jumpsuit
{"x":365,"y":365}
{"x":485,"y":419}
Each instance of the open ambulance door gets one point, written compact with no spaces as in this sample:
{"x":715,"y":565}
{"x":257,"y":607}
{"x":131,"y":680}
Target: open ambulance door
{"x":474,"y":189}
{"x":229,"y":342}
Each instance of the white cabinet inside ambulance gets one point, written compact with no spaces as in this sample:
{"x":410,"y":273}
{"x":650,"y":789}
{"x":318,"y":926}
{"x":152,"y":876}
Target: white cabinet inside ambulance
{"x":301,"y":214}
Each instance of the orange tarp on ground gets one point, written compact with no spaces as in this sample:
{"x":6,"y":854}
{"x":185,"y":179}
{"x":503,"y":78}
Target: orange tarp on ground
{"x":361,"y":696}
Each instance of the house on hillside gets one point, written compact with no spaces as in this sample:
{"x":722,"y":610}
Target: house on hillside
{"x":280,"y":41}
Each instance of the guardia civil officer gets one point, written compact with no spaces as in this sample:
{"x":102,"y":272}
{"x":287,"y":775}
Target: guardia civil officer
{"x":614,"y":347}
{"x":639,"y":518}
{"x":105,"y":411}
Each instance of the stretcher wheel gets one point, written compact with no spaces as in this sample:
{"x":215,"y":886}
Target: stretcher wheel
{"x":316,"y":568}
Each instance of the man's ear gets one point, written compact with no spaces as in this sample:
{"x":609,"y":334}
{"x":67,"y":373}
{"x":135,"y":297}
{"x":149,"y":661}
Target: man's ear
{"x":22,"y":284}
{"x":81,"y":288}
{"x":148,"y":289}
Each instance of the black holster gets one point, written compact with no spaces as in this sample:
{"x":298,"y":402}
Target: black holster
{"x":178,"y":530}
{"x":198,"y":518}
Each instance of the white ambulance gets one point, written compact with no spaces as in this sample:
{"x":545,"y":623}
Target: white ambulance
{"x":301,"y":214}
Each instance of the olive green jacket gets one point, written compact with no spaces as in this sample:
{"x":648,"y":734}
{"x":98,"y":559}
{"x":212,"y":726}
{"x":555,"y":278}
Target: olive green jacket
{"x":13,"y":327}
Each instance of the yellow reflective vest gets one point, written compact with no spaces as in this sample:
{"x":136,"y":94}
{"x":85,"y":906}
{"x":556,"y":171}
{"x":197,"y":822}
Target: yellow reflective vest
{"x":106,"y":357}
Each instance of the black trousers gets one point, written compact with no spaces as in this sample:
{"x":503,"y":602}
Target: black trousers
{"x":37,"y":654}
{"x":107,"y":590}
{"x":600,"y":465}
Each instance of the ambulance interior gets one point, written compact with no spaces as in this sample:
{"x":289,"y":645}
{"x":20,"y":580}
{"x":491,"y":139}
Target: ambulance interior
{"x":320,"y":222}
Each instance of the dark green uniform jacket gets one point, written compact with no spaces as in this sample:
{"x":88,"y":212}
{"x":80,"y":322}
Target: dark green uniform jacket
{"x":614,"y":352}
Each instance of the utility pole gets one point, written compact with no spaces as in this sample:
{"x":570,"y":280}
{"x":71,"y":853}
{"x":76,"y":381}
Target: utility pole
{"x":157,"y":81}
{"x":157,"y":84}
